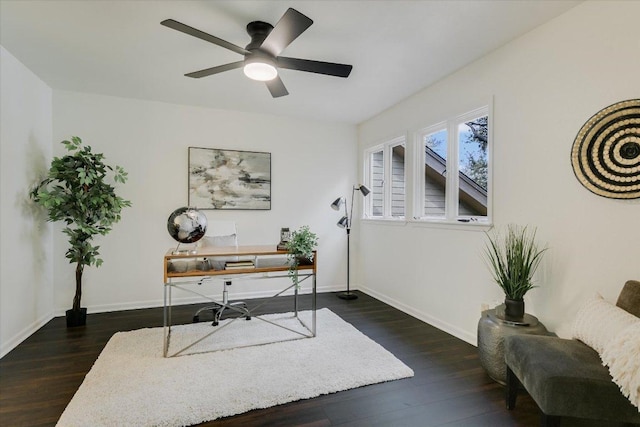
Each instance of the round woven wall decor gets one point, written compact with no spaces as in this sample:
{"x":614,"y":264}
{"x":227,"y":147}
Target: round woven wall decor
{"x":606,"y":152}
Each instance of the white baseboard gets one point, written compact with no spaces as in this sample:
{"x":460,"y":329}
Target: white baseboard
{"x":103,"y":308}
{"x":471,"y":338}
{"x":444,"y":326}
{"x":13,"y":342}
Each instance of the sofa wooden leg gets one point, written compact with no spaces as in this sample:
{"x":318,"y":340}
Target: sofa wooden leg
{"x":512,"y":389}
{"x":549,"y":420}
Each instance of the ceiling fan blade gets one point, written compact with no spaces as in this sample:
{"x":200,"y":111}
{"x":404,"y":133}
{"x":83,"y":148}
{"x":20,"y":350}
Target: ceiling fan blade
{"x":276,"y":87}
{"x":215,"y":70}
{"x":288,"y":28}
{"x":204,"y":36}
{"x":328,"y":68}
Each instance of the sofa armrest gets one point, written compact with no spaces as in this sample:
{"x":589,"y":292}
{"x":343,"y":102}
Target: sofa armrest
{"x":629,"y":298}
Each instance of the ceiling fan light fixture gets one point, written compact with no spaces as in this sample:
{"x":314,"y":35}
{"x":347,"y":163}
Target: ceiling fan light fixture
{"x":260,"y":69}
{"x":262,"y":58}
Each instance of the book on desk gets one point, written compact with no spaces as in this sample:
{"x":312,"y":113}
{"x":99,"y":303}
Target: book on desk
{"x":234,"y":265}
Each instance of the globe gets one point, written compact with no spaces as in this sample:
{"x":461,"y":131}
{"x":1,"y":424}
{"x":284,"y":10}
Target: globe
{"x":187,"y":225}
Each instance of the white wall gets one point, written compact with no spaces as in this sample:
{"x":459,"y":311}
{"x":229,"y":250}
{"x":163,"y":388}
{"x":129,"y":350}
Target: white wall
{"x":26,"y":285}
{"x":312,"y":164}
{"x":545,"y":85}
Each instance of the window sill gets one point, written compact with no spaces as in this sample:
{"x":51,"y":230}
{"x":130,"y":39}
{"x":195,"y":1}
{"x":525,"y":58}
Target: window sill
{"x":385,"y":221}
{"x":457,"y":225}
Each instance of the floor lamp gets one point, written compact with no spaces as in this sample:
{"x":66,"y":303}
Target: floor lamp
{"x":345,"y":222}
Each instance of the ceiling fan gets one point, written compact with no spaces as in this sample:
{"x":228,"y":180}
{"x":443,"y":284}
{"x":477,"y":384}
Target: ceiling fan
{"x":261,"y":55}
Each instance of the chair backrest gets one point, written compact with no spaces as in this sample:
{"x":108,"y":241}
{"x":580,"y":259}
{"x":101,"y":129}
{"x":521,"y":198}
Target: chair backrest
{"x":220,"y":233}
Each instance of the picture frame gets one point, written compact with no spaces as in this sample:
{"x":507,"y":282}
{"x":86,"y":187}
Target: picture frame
{"x":229,"y":179}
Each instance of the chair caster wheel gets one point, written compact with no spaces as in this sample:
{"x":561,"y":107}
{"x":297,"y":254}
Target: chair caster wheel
{"x":196,"y":319}
{"x":215,"y":323}
{"x":248,"y":318}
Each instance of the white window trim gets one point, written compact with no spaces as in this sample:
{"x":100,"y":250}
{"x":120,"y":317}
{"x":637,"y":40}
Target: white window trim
{"x":415,"y":186}
{"x":368,"y":201}
{"x":452,"y":179}
{"x":420,"y":159}
{"x":387,"y":149}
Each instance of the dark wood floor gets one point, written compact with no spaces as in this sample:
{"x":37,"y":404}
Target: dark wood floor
{"x":39,"y":377}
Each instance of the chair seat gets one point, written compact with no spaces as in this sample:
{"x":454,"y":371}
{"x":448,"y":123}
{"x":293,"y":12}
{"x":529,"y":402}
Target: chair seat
{"x":567,"y":378}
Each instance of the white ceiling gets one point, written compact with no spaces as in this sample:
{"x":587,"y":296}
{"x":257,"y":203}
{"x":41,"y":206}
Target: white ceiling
{"x":396,"y":48}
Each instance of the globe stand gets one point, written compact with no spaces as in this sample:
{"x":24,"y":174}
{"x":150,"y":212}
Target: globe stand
{"x":178,"y":251}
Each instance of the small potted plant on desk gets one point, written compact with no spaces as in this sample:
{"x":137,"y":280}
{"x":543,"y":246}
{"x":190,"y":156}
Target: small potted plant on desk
{"x":300,"y":247}
{"x":513,"y":261}
{"x":77,"y":192}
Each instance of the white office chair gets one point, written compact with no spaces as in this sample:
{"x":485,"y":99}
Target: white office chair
{"x":220,"y":234}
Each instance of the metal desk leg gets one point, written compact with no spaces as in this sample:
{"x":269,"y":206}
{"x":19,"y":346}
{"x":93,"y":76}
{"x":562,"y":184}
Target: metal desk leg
{"x":313,"y":307}
{"x":295,"y":298}
{"x":167,"y":318}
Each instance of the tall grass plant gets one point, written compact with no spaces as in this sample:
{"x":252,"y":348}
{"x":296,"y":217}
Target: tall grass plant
{"x":513,"y":259}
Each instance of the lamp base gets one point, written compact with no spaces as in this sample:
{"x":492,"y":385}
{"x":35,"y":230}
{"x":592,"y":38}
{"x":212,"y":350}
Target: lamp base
{"x":347,"y":295}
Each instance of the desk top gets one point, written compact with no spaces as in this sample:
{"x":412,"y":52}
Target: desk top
{"x":228,"y":251}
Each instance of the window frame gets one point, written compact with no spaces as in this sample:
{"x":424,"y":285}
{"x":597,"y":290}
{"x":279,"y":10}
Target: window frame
{"x":414,"y":176}
{"x":452,"y":186}
{"x":419,"y":167}
{"x":387,"y":186}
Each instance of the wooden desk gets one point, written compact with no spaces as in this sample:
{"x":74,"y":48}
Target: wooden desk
{"x":196,"y":268}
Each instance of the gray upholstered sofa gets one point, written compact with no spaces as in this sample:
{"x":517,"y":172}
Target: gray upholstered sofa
{"x":566,"y":378}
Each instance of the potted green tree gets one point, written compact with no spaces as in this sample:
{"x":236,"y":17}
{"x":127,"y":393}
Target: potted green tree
{"x":300,"y":247}
{"x":76,"y":191}
{"x":513,"y":259}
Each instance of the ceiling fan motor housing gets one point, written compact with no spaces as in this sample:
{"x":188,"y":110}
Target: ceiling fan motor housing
{"x":258,"y":31}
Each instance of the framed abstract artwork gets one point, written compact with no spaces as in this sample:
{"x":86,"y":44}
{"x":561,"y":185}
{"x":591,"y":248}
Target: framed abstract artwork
{"x":229,"y":179}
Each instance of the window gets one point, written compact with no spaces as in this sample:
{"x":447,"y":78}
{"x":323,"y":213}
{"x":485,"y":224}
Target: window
{"x":397,"y":180}
{"x":386,"y":178}
{"x":449,"y":165}
{"x":377,"y":183}
{"x":453,"y":171}
{"x":435,"y":147}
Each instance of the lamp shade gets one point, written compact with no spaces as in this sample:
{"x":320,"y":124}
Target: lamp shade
{"x":364,"y":190}
{"x":337,"y":203}
{"x":344,"y":222}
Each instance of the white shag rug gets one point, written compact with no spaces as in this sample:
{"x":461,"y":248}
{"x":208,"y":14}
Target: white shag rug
{"x":132,"y":384}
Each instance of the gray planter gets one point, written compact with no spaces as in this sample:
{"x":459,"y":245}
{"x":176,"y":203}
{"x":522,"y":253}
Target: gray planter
{"x":493,"y":327}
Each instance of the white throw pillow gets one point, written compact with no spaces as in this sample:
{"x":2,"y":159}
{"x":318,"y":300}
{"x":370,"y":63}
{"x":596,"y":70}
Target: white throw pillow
{"x":598,"y":321}
{"x":622,"y":356}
